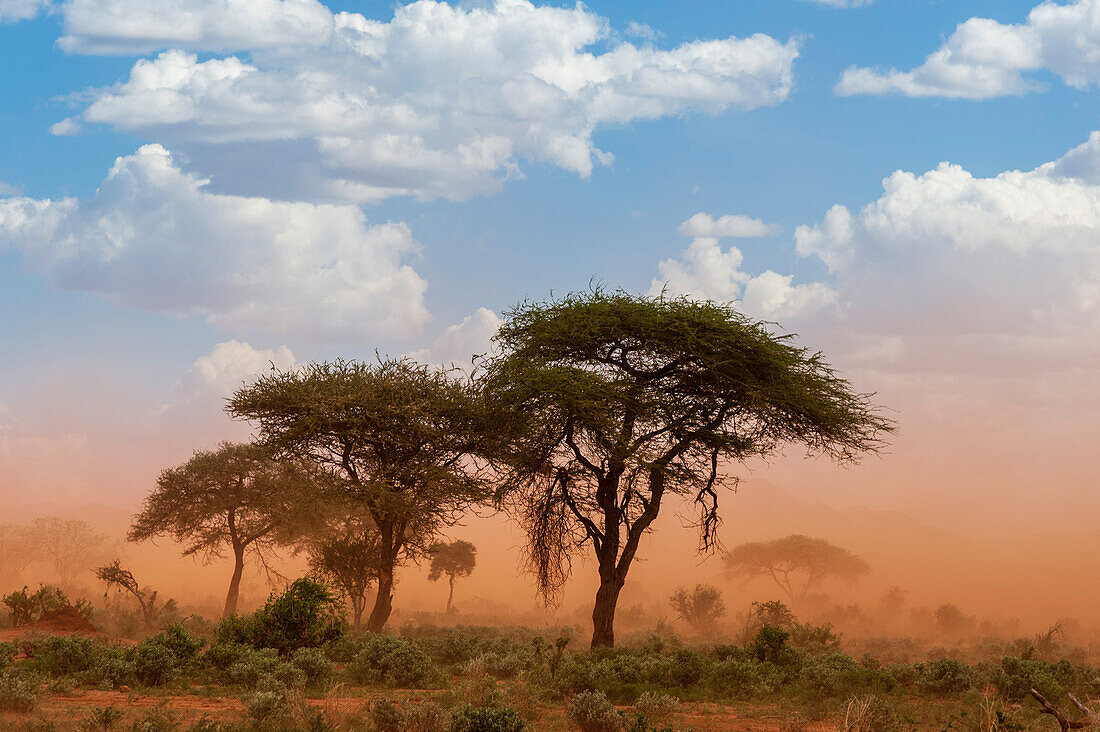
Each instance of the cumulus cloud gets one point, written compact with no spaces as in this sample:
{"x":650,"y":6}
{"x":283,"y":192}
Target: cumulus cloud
{"x":16,"y":10}
{"x":708,"y":271}
{"x":734,"y":226}
{"x":153,"y":238}
{"x":460,"y":342}
{"x":139,"y":26}
{"x":984,"y":58}
{"x":231,"y":364}
{"x":440,"y":101}
{"x":1011,"y":256}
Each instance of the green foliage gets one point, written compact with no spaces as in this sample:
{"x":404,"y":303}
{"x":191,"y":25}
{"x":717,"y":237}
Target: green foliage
{"x":159,"y":658}
{"x":67,"y":655}
{"x":103,"y":718}
{"x":815,"y":640}
{"x":158,"y":719}
{"x":485,"y":719}
{"x":268,"y":708}
{"x":395,"y":661}
{"x":18,"y":692}
{"x":592,"y":711}
{"x":386,"y":716}
{"x":425,"y":717}
{"x":306,"y":615}
{"x":258,"y":666}
{"x":770,"y":645}
{"x":656,"y":708}
{"x":313,"y":664}
{"x":944,"y":676}
{"x":26,"y":606}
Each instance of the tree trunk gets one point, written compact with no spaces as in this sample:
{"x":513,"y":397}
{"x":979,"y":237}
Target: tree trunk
{"x":383,"y":602}
{"x":358,"y":604}
{"x":603,"y":612}
{"x":234,"y":582}
{"x":451,"y":596}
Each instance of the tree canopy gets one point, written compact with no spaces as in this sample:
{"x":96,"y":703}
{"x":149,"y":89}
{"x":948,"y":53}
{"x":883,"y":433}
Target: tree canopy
{"x":238,"y":497}
{"x":454,"y":559}
{"x":796,"y":563}
{"x":395,"y":436}
{"x":615,"y":402}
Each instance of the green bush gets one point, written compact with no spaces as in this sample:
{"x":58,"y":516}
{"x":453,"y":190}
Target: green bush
{"x":592,"y":711}
{"x":18,"y":692}
{"x":425,"y":717}
{"x":654,"y":708}
{"x":306,"y":615}
{"x":103,"y":718}
{"x":158,"y":719}
{"x":944,"y":676}
{"x":485,"y":719}
{"x":313,"y":664}
{"x":268,"y":709}
{"x":252,"y":669}
{"x":386,"y":716}
{"x":770,"y":645}
{"x":26,"y":606}
{"x":66,"y":655}
{"x":395,"y":661}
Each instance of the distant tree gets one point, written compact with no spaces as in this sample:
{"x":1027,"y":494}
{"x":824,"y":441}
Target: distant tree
{"x":615,"y":403}
{"x":397,"y":437}
{"x":795,"y":563}
{"x":949,"y":618}
{"x":454,"y":559}
{"x":700,"y":608}
{"x":16,"y":553}
{"x":115,"y":575}
{"x":69,"y":547}
{"x":345,"y":553}
{"x":238,"y":497}
{"x":893,"y":600}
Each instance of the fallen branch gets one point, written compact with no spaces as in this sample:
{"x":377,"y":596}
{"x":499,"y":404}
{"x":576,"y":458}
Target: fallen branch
{"x":1090,"y":718}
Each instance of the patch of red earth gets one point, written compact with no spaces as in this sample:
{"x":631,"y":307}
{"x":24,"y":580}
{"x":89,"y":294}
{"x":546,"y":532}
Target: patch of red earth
{"x":66,"y":621}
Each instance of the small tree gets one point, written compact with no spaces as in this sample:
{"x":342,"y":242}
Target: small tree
{"x":346,"y":554}
{"x":398,"y":438}
{"x":700,"y":608}
{"x":455,"y":559}
{"x":115,"y":575}
{"x":795,"y":563}
{"x":238,"y":497}
{"x":70,"y":547}
{"x":16,"y":553}
{"x":617,"y":403}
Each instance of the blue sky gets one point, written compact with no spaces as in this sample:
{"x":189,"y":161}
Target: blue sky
{"x":103,"y":335}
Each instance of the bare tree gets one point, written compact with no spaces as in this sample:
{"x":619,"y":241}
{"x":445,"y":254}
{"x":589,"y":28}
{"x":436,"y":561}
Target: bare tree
{"x":16,"y":553}
{"x":454,"y":559}
{"x":114,"y":575}
{"x":69,"y":547}
{"x":795,"y":563}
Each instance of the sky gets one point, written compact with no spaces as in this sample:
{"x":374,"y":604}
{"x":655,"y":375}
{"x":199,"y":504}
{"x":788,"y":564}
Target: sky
{"x":196,"y":190}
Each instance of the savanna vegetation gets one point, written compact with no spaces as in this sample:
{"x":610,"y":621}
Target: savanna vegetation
{"x":594,"y":413}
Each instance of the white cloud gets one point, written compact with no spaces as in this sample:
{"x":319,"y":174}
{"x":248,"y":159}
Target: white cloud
{"x":441,"y":101}
{"x":984,"y":58}
{"x":705,"y":270}
{"x":153,"y":238}
{"x":1009,"y":256}
{"x":139,"y":26}
{"x":462,"y":341}
{"x":229,"y":365}
{"x":734,"y":226}
{"x":16,"y":10}
{"x":7,"y":189}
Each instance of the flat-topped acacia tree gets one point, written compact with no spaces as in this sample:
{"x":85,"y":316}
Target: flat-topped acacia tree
{"x":397,"y":438}
{"x":796,"y":563}
{"x":615,"y":402}
{"x":237,"y":497}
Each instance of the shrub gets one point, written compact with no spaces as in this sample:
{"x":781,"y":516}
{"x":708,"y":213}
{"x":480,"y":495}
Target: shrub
{"x":656,"y":708}
{"x":268,"y":708}
{"x":155,"y":665}
{"x":592,"y":711}
{"x":312,"y":663}
{"x":306,"y":615}
{"x":944,"y":676}
{"x":158,"y":719}
{"x":770,"y":644}
{"x":258,"y":665}
{"x":485,"y":719}
{"x":26,"y":606}
{"x":425,"y":717}
{"x":18,"y":692}
{"x":386,"y":716}
{"x":67,"y":655}
{"x":735,"y":677}
{"x":103,"y":718}
{"x":869,"y":714}
{"x":815,"y":640}
{"x":687,"y":668}
{"x":395,"y":661}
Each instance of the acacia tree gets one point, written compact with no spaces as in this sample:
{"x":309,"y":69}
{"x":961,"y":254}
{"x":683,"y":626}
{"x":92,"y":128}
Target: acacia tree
{"x":115,"y":575}
{"x":397,"y":437}
{"x":69,"y":546}
{"x":795,"y":563}
{"x":346,"y":554}
{"x":617,"y":402}
{"x":454,"y":559}
{"x":237,"y":497}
